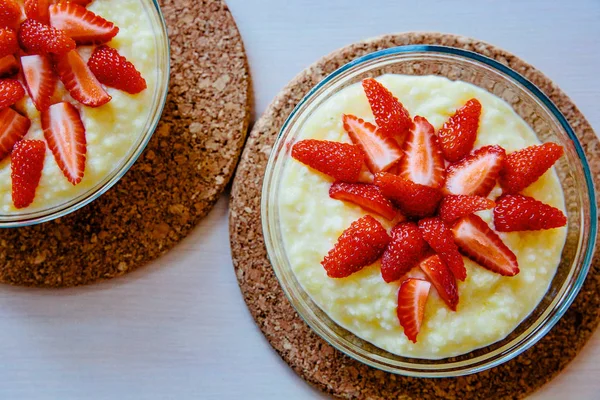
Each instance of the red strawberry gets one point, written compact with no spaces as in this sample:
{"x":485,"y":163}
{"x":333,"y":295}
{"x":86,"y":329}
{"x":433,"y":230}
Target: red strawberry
{"x":522,"y":213}
{"x":381,"y":152}
{"x":412,"y":298}
{"x":80,"y":2}
{"x":358,"y":246}
{"x":80,"y":24}
{"x":440,"y":238}
{"x":458,"y":134}
{"x":366,"y":196}
{"x":423,"y":162}
{"x":65,"y":135}
{"x":454,"y":207}
{"x":115,"y":71}
{"x":10,"y":13}
{"x":523,"y":167}
{"x":27,"y":163}
{"x":13,"y":127}
{"x":79,"y":80}
{"x":405,"y":250}
{"x":8,"y":66}
{"x":475,"y":175}
{"x":442,"y":278}
{"x":38,"y":10}
{"x":391,"y":117}
{"x":413,"y":199}
{"x":341,"y":161}
{"x":481,"y":244}
{"x":38,"y":38}
{"x":40,"y":79}
{"x":11,"y":91}
{"x":8,"y":42}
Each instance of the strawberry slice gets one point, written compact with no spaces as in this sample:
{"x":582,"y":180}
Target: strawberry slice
{"x":80,"y":24}
{"x":38,"y":38}
{"x":440,"y":238}
{"x":79,"y":80}
{"x":481,"y":244}
{"x":454,"y":207}
{"x":8,"y":66}
{"x":391,"y":117}
{"x":522,"y":213}
{"x":364,"y":195}
{"x":341,"y":161}
{"x":458,"y":134}
{"x":8,"y":42}
{"x":65,"y":135}
{"x":114,"y":70}
{"x":442,"y":278}
{"x":83,"y":3}
{"x":11,"y":91}
{"x":413,"y":199}
{"x":40,"y":79}
{"x":358,"y":246}
{"x":38,"y":10}
{"x":412,"y":298}
{"x":476,"y":174}
{"x":13,"y":127}
{"x":10,"y":13}
{"x":382,"y":152}
{"x":27,"y":163}
{"x":423,"y":162}
{"x":405,"y":250}
{"x":523,"y":167}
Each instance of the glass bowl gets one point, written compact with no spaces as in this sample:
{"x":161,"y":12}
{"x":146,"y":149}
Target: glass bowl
{"x":24,"y":217}
{"x":548,"y":123}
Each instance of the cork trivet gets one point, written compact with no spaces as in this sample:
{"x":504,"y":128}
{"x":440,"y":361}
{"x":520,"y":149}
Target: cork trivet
{"x":309,"y":355}
{"x":175,"y":182}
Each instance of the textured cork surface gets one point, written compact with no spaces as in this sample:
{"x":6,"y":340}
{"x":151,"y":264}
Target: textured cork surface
{"x":175,"y":182}
{"x":311,"y":357}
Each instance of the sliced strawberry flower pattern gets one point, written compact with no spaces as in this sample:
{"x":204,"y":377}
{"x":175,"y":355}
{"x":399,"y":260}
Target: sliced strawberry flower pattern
{"x":430,"y":190}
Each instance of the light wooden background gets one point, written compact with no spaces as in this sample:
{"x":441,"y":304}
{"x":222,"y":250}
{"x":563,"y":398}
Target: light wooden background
{"x":179,"y":328}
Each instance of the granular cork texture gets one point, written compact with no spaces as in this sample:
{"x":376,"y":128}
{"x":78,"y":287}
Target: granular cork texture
{"x":310,"y":356}
{"x":175,"y":182}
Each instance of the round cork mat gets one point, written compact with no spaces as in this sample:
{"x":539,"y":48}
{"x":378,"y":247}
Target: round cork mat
{"x":175,"y":182}
{"x":327,"y":368}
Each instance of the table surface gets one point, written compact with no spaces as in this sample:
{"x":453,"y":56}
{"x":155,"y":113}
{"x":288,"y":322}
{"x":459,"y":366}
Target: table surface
{"x":179,"y":328}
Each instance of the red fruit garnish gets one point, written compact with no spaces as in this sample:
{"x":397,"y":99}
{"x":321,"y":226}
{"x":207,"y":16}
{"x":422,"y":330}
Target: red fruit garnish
{"x":80,"y":2}
{"x":65,"y":135}
{"x":455,"y":206}
{"x":80,"y":24}
{"x":38,"y":38}
{"x":79,"y":80}
{"x":11,"y":91}
{"x":442,"y":278}
{"x":522,"y":213}
{"x":440,"y":238}
{"x":412,"y":298}
{"x":38,"y":10}
{"x":523,"y":167}
{"x":114,"y":70}
{"x":391,"y":117}
{"x":10,"y":13}
{"x":476,"y":174}
{"x":364,"y":195}
{"x":40,"y":79}
{"x":13,"y":127}
{"x":341,"y":161}
{"x":413,"y":199}
{"x":27,"y":163}
{"x":481,"y":244}
{"x":423,"y":162}
{"x":8,"y":42}
{"x":381,"y":152}
{"x":405,"y":250}
{"x":358,"y":246}
{"x":8,"y":66}
{"x":458,"y":134}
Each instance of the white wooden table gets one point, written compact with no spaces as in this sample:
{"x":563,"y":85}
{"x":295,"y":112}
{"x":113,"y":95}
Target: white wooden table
{"x":179,"y":328}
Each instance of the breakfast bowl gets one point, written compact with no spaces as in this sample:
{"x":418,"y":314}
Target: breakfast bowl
{"x":116,"y":130}
{"x":353,"y":313}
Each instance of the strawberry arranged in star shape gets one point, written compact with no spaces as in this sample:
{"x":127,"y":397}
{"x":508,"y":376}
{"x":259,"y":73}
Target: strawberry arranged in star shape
{"x":429,"y":185}
{"x":39,"y":42}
